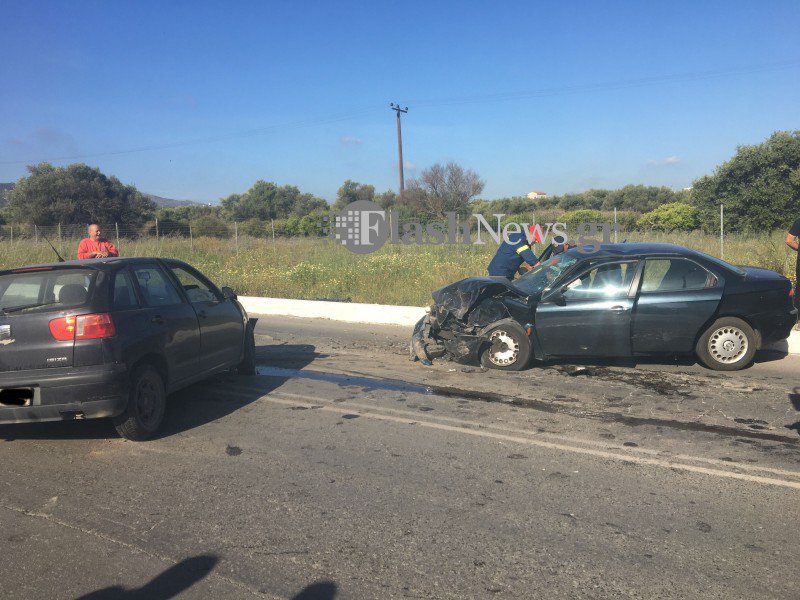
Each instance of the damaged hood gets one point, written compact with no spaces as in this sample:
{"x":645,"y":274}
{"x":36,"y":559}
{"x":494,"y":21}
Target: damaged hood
{"x":460,"y":297}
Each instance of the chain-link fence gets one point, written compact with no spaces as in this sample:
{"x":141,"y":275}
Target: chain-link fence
{"x":66,"y":237}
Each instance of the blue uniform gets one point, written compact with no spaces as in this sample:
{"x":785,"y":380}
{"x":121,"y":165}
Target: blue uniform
{"x":509,"y":257}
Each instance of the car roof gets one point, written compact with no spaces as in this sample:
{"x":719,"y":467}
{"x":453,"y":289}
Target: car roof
{"x":93,"y":263}
{"x":636,"y":249}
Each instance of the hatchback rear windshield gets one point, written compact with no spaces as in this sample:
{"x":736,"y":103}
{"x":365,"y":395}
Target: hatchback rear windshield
{"x":52,"y":289}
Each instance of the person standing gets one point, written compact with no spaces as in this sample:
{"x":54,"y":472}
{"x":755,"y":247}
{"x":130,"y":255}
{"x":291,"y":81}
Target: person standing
{"x":95,"y":245}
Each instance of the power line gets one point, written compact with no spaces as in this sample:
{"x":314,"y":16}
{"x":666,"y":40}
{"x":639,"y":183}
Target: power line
{"x":442,"y":102}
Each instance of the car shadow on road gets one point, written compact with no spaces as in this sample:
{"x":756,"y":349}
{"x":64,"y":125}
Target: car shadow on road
{"x":680,"y":360}
{"x":226,"y":393}
{"x":192,"y":407}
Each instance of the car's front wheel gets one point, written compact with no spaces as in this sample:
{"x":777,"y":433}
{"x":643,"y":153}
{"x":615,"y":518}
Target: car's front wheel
{"x":728,"y":345}
{"x":508,"y":348}
{"x":146,"y":404}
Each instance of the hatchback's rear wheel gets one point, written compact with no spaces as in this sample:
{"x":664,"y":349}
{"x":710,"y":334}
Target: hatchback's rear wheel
{"x":508,"y":348}
{"x":146,"y":403}
{"x":728,"y":345}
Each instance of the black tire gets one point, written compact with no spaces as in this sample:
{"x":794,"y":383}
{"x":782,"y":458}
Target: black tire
{"x":248,"y":364}
{"x":508,"y":349}
{"x":728,"y":345}
{"x":146,"y":403}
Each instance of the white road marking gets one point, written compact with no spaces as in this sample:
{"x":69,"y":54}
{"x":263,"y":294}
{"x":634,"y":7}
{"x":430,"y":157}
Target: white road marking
{"x":286,"y":399}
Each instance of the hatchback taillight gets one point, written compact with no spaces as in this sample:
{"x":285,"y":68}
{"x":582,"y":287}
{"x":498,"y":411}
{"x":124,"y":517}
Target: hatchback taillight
{"x":82,"y":327}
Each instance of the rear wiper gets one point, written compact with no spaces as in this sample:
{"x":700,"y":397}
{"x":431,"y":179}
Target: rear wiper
{"x":11,"y":309}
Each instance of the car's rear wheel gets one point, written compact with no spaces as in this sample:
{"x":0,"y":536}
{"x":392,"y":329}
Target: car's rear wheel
{"x":508,"y":348}
{"x":728,"y":345}
{"x":146,"y":404}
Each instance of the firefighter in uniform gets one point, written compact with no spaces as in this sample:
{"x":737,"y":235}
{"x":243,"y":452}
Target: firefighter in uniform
{"x":510,"y":255}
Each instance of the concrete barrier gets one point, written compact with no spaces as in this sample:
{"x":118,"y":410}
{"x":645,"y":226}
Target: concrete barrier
{"x":377,"y":314}
{"x":382,"y":314}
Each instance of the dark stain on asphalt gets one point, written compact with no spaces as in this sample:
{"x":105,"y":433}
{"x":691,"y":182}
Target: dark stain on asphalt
{"x":611,"y":417}
{"x":425,"y":408}
{"x":350,"y":416}
{"x":517,"y":456}
{"x":631,"y":444}
{"x":703,"y":526}
{"x":558,"y":475}
{"x":608,"y":436}
{"x":750,"y":421}
{"x":754,"y":548}
{"x":652,"y":381}
{"x":233,"y":450}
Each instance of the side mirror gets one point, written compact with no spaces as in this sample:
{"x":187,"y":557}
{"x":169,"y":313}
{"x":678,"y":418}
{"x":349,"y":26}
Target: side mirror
{"x":557,"y":296}
{"x":229,"y":293}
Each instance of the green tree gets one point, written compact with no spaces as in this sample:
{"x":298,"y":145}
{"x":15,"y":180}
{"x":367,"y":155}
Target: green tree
{"x":387,"y":200}
{"x":351,"y":191}
{"x":759,"y":187}
{"x":675,"y":216}
{"x":441,"y":189}
{"x":76,"y":193}
{"x":266,"y":200}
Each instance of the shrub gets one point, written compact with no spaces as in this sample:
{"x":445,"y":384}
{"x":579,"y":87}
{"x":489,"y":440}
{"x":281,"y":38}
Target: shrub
{"x":675,"y":216}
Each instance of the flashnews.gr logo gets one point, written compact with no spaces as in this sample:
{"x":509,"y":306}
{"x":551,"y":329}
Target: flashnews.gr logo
{"x":360,"y":227}
{"x":363,"y":227}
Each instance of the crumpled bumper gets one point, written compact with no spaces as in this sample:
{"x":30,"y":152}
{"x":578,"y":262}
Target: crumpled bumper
{"x":428,"y":341}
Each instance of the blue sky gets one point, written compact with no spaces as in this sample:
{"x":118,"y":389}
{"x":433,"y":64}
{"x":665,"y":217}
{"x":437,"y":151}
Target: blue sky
{"x":551,"y":96}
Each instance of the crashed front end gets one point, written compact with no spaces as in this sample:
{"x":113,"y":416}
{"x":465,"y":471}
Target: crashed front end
{"x":462,"y":312}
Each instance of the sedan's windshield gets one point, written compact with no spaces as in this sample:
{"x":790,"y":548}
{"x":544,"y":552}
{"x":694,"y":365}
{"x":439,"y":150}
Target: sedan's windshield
{"x":543,"y":275}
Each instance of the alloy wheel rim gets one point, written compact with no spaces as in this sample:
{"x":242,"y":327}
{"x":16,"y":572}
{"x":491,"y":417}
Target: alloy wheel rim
{"x":504,"y":349}
{"x":728,"y":344}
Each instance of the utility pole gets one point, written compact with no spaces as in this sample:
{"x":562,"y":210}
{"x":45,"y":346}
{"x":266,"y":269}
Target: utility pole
{"x":396,"y":108}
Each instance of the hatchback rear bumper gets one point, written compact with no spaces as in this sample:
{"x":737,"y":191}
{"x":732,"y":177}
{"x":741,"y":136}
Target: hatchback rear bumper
{"x":69,"y":393}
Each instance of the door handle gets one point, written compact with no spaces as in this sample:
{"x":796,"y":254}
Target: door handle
{"x":618,"y":308}
{"x":158,"y":320}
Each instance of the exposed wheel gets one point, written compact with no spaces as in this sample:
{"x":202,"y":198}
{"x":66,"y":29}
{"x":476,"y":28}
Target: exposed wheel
{"x":146,"y":403}
{"x":248,"y":364}
{"x":508,"y":348}
{"x":728,"y":345}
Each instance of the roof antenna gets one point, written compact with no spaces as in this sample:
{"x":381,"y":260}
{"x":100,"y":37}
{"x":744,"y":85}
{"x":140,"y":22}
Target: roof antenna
{"x":60,"y":259}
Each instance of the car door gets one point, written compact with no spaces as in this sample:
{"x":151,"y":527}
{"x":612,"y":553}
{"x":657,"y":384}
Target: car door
{"x":589,"y":315}
{"x":677,"y":297}
{"x":170,"y":323}
{"x":221,"y":322}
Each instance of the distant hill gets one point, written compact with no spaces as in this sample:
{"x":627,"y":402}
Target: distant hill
{"x":169,"y":202}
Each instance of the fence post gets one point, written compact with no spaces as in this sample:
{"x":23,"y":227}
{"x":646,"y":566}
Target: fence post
{"x":721,"y":230}
{"x":116,"y":226}
{"x":615,"y":224}
{"x":60,"y":241}
{"x":191,"y":239}
{"x":35,"y":234}
{"x":156,"y":231}
{"x":12,"y":234}
{"x":236,"y":236}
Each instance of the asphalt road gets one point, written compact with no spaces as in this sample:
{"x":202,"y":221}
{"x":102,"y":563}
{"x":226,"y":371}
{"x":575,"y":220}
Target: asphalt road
{"x":344,"y":470}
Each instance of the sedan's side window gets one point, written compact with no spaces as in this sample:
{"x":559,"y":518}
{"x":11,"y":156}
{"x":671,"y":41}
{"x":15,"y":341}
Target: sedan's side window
{"x":673,"y":274}
{"x":196,"y":289}
{"x":603,"y":281}
{"x":156,"y":288}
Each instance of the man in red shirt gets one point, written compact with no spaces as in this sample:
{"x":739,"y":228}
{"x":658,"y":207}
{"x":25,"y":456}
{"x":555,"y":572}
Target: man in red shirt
{"x":95,"y":246}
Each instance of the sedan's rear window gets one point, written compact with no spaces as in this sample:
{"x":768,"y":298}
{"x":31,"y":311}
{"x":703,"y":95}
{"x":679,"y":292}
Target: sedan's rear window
{"x":41,"y":290}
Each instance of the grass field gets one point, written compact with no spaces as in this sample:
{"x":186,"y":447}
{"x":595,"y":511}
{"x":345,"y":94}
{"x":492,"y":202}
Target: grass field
{"x":311,"y":268}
